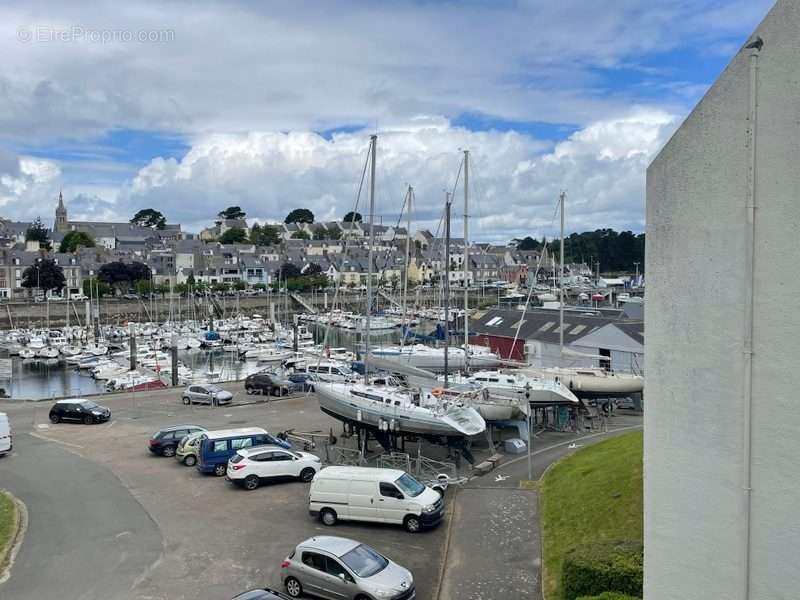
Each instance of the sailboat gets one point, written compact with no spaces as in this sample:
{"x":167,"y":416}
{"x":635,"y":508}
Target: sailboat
{"x":584,"y":382}
{"x":392,"y":409}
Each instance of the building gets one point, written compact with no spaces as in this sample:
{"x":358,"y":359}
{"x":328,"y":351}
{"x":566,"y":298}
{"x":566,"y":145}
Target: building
{"x":721,"y":470}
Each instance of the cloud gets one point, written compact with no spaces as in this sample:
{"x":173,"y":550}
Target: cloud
{"x":27,"y":190}
{"x":515,"y":179}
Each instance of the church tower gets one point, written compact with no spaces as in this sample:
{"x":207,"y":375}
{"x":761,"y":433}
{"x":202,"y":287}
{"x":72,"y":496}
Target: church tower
{"x":61,"y":215}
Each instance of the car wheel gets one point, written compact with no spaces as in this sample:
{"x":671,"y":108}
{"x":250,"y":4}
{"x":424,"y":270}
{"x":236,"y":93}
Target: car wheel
{"x":88,"y":420}
{"x":412,"y":523}
{"x":293,"y":587}
{"x":187,"y":400}
{"x":307,"y":474}
{"x":55,"y":419}
{"x":328,"y":517}
{"x":168,"y":451}
{"x":249,"y":389}
{"x":251,"y":482}
{"x":190,"y":460}
{"x":220,"y":470}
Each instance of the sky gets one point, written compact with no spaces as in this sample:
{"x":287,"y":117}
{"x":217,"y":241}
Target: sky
{"x":191,"y":106}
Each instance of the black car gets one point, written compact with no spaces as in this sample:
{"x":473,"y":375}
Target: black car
{"x":268,"y":383}
{"x":79,"y":411}
{"x":165,"y":441}
{"x":263,"y":594}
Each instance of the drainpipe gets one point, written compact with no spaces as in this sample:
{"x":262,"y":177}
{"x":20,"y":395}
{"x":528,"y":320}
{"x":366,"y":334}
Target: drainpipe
{"x":749,"y":296}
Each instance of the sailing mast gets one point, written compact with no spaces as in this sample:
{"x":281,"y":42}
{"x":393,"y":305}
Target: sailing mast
{"x":466,"y":261}
{"x":410,"y":193}
{"x":446,"y":285}
{"x":373,"y":144}
{"x":561,"y":285}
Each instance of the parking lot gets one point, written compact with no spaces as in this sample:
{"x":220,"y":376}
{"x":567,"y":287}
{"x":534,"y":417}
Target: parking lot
{"x":160,"y":530}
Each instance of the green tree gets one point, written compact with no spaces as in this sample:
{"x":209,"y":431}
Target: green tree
{"x":312,"y":269}
{"x":190,"y":279}
{"x":149,"y":217}
{"x":37,"y":232}
{"x":240,"y":285}
{"x":122,"y":275}
{"x":300,"y":234}
{"x":353,"y":217}
{"x":232,"y":212}
{"x":264,"y":235}
{"x":288,"y":271}
{"x":45,"y":275}
{"x":334,"y":233}
{"x":95,"y":287}
{"x":74,"y":240}
{"x":234,"y":235}
{"x":300,"y":215}
{"x":528,"y":243}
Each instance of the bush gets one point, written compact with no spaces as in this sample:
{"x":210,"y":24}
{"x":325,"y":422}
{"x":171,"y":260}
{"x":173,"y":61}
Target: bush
{"x":591,"y":569}
{"x":609,"y":596}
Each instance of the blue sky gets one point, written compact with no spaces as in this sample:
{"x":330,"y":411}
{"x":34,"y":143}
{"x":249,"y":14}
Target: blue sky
{"x":211,"y":115}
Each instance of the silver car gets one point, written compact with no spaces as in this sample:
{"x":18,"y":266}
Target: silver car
{"x":206,"y":393}
{"x":339,"y":568}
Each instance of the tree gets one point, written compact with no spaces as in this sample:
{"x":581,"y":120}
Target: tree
{"x":528,"y":244}
{"x":37,"y":232}
{"x":149,"y":217}
{"x":288,"y":271}
{"x":95,"y":287}
{"x":234,"y":235}
{"x":74,"y":240}
{"x":264,"y":235}
{"x":232,"y":212}
{"x":239,"y":285}
{"x":45,"y":275}
{"x":300,"y":215}
{"x":190,"y":279}
{"x":353,"y":217}
{"x":334,"y":233}
{"x":123,"y":275}
{"x":300,"y":234}
{"x":311,"y":269}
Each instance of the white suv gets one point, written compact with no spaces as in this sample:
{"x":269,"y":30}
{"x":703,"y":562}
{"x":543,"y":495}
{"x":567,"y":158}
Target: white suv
{"x":250,"y":465}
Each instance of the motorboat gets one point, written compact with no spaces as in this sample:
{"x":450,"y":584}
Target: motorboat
{"x":27,"y":353}
{"x":96,"y":349}
{"x":47,"y":352}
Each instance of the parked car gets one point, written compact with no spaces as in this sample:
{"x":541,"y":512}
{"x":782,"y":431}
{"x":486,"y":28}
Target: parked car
{"x":262,"y":594}
{"x":6,"y":438}
{"x":370,"y":494}
{"x":250,"y":466}
{"x":206,"y":394}
{"x":164,"y":442}
{"x":78,"y":297}
{"x":187,"y":449}
{"x":217,"y":447}
{"x":265,"y":382}
{"x":305,"y":381}
{"x":80,"y":411}
{"x":338,"y":568}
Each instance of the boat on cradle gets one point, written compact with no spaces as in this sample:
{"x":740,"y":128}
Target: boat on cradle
{"x":591,"y":382}
{"x":432,"y":359}
{"x":399,"y":410}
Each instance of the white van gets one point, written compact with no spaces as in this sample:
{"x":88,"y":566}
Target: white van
{"x":5,"y":434}
{"x":370,"y":494}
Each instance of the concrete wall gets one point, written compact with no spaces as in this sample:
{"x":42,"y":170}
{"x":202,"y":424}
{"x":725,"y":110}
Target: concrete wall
{"x":697,"y":188}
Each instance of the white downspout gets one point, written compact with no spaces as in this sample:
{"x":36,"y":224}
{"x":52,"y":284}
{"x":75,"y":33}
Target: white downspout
{"x":749,"y":297}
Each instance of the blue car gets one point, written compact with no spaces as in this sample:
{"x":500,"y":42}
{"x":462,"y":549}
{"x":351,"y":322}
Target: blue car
{"x":217,"y":447}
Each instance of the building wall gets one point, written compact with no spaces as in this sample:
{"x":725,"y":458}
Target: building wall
{"x":695,"y":503}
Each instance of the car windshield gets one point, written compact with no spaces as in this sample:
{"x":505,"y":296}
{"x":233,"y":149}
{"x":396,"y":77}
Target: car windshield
{"x":88,"y":404}
{"x":409,"y":486}
{"x":364,"y":561}
{"x":213,"y":388}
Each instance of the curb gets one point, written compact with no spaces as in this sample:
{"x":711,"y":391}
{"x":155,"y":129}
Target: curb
{"x":446,"y":549}
{"x":9,"y":553}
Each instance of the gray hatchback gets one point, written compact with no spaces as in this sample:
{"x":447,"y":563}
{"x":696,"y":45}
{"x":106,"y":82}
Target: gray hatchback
{"x":336,"y":568}
{"x":206,"y":393}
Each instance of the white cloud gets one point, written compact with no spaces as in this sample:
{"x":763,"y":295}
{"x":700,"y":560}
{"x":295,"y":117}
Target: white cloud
{"x":24,"y":192}
{"x":515,"y":179}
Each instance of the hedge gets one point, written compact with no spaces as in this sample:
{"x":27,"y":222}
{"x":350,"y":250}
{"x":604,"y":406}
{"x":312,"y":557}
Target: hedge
{"x":609,"y":596}
{"x":591,"y":569}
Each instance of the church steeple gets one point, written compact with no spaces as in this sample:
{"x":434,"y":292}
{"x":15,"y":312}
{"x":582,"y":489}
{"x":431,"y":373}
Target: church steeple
{"x":61,"y":214}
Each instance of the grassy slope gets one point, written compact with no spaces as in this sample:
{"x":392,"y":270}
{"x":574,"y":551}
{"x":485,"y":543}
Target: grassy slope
{"x":8,"y":521}
{"x":593,"y":495}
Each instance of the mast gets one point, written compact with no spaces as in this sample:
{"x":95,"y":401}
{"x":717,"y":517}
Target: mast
{"x":408,"y":261}
{"x":446,"y":285}
{"x":373,"y":144}
{"x":466,"y":261}
{"x":561,"y":285}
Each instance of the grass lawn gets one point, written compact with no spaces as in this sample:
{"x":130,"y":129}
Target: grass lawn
{"x":595,"y":495}
{"x":8,"y":523}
